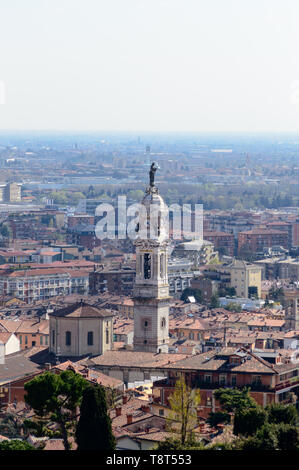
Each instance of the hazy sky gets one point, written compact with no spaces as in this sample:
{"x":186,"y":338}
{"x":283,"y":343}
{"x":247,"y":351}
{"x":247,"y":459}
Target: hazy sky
{"x":150,"y":65}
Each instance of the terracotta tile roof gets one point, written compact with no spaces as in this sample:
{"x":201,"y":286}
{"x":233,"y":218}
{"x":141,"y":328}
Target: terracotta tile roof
{"x":93,"y":375}
{"x":153,"y":435}
{"x":25,"y":326}
{"x":57,"y":444}
{"x":133,"y":407}
{"x":140,"y":359}
{"x":82,"y":310}
{"x":9,"y":325}
{"x":51,"y":271}
{"x":219,"y":360}
{"x":4,"y":337}
{"x":54,"y":444}
{"x":123,"y":327}
{"x":226,"y":436}
{"x":267,"y":322}
{"x":291,"y":334}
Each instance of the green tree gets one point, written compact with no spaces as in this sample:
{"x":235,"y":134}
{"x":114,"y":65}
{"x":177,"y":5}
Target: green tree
{"x":218,"y":417}
{"x":220,"y":446}
{"x":94,"y":427}
{"x":278,"y":413}
{"x":38,"y":427}
{"x":112,"y":396}
{"x":214,"y":302}
{"x":247,"y":421}
{"x":189,"y":292}
{"x":264,"y":439}
{"x":227,"y":291}
{"x":183,"y":403}
{"x":233,"y":400}
{"x":288,"y":437}
{"x":276,"y":294}
{"x":56,"y":397}
{"x":15,"y":444}
{"x":11,"y":425}
{"x":234,"y":307}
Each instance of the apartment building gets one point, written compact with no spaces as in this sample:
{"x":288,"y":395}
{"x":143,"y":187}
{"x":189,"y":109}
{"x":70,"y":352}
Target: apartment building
{"x":223,"y":242}
{"x":83,"y":235}
{"x":40,"y":284}
{"x":120,"y":281}
{"x":254,"y":241}
{"x":284,"y":227}
{"x":238,"y":274}
{"x":230,"y":367}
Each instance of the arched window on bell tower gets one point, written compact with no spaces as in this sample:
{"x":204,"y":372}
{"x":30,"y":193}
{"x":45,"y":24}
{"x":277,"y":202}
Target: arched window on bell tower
{"x":147,"y":266}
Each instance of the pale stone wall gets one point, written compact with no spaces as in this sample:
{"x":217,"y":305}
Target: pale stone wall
{"x":79,"y":328}
{"x":12,"y":345}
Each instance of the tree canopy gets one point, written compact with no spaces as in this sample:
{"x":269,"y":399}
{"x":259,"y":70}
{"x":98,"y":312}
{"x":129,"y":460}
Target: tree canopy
{"x":94,"y":427}
{"x":16,"y":444}
{"x":183,"y":403}
{"x":232,"y":400}
{"x":56,"y":396}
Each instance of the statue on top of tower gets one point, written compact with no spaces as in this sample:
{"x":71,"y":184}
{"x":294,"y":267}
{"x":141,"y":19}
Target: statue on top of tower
{"x":152,"y":172}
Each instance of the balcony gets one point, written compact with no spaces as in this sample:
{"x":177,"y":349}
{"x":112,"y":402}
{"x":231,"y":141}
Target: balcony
{"x":254,"y":386}
{"x":292,"y":382}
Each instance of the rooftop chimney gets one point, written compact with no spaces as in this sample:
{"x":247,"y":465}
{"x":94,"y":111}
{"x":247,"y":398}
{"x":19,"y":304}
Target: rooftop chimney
{"x":125,"y":399}
{"x":85,"y":372}
{"x":129,"y":418}
{"x":117,"y":410}
{"x":145,"y":408}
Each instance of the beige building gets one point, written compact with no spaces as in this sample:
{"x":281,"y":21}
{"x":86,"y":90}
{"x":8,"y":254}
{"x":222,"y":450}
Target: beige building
{"x":244,"y":275}
{"x":81,"y":329}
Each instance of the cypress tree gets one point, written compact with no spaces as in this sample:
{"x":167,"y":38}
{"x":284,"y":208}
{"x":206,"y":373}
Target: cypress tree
{"x":94,"y":430}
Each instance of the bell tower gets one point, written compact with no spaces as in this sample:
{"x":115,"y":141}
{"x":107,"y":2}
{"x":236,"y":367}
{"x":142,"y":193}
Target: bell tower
{"x":151,"y":290}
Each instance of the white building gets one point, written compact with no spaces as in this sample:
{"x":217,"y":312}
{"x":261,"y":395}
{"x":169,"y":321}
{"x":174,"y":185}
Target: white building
{"x":41,"y":284}
{"x":9,"y":344}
